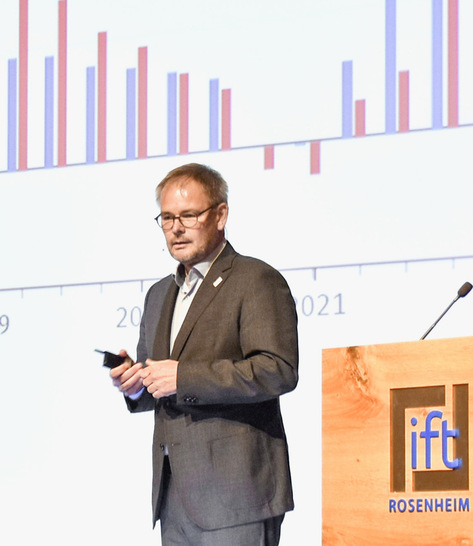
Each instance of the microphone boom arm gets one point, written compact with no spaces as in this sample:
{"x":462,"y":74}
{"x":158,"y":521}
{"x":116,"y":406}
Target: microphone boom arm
{"x":462,"y":292}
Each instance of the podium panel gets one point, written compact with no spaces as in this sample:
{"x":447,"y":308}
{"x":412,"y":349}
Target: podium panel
{"x":396,"y":443}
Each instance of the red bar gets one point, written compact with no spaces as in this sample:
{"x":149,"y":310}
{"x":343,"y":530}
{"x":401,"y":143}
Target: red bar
{"x":269,"y":157}
{"x":23,"y":88}
{"x":226,"y":118}
{"x":142,"y":102}
{"x":404,"y":101}
{"x":453,"y":63}
{"x":360,"y":118}
{"x":62,"y":84}
{"x":184,"y":113}
{"x":102,"y":98}
{"x":315,"y":157}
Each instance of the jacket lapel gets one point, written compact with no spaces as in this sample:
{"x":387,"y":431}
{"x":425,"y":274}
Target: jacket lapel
{"x":209,"y":288}
{"x":161,"y":347}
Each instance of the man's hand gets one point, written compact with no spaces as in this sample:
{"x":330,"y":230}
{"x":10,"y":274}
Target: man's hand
{"x":126,"y":377}
{"x":160,"y":377}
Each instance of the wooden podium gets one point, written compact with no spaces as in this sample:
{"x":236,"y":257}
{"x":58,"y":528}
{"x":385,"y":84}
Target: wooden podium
{"x":396,"y":442}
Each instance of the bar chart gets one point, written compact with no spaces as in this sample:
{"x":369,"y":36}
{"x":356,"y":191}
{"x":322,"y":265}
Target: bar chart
{"x":174,"y":115}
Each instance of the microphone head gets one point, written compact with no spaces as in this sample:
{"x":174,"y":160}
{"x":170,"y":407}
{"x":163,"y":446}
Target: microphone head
{"x":464,"y":290}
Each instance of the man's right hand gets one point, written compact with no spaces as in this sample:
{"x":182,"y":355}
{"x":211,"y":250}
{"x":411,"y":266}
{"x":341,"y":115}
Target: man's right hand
{"x":126,"y":376}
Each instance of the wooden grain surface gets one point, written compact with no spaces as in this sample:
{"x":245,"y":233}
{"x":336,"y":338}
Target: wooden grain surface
{"x":356,"y":384}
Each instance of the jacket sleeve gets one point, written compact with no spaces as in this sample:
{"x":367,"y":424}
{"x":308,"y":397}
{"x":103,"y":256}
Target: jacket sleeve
{"x":145,"y":402}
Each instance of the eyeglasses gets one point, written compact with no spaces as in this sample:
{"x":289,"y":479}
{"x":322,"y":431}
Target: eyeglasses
{"x":187,"y":219}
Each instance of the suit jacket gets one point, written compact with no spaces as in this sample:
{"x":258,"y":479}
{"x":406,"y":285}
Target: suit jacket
{"x":237,"y":351}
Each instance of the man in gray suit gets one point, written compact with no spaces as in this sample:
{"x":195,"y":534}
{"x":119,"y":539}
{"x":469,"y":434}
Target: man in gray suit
{"x":217,"y":347}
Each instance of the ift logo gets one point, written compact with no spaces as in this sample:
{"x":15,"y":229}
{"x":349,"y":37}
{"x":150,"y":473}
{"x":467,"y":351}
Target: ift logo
{"x":437,"y":439}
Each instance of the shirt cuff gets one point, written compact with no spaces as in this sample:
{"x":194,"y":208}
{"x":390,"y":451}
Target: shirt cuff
{"x":136,"y":395}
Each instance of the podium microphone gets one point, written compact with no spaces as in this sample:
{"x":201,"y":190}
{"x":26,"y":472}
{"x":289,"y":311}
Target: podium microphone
{"x":462,"y":292}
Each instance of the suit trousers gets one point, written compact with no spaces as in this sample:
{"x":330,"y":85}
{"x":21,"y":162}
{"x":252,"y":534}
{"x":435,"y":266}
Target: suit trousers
{"x":178,"y":530}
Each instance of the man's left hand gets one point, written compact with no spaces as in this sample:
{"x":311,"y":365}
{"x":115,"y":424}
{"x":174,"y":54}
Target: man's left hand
{"x":160,"y":377}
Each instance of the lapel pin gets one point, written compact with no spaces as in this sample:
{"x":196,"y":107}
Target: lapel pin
{"x":218,"y":281}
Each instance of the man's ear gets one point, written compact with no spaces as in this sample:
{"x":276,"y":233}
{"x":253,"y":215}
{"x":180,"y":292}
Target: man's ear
{"x":222,"y":215}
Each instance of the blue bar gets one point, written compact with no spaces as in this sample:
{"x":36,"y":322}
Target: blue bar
{"x":12,"y":114}
{"x":213,"y":114}
{"x":437,"y":64}
{"x":390,"y":52}
{"x":90,"y":116}
{"x":172,"y":113}
{"x":49,"y":112}
{"x":347,"y":99}
{"x":131,"y":113}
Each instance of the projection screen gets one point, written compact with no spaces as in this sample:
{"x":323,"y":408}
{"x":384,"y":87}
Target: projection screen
{"x":344,"y":130}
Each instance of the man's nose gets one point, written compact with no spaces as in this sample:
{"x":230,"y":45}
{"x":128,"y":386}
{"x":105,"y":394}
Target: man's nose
{"x":177,"y":227}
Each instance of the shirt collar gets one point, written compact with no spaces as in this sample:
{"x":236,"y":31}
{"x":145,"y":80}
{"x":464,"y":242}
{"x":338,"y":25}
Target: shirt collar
{"x":199,"y":270}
